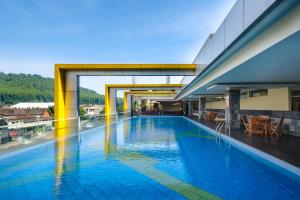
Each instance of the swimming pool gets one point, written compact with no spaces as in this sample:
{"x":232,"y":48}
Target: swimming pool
{"x":142,"y":158}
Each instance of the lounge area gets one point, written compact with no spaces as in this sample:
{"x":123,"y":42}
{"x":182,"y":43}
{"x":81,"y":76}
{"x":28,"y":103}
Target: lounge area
{"x":261,"y":132}
{"x":262,"y":125}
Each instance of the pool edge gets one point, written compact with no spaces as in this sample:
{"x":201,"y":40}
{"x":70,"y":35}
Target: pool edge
{"x":9,"y":154}
{"x":255,"y":153}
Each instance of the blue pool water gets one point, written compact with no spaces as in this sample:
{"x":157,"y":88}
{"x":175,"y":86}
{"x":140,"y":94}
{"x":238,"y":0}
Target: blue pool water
{"x":141,"y":158}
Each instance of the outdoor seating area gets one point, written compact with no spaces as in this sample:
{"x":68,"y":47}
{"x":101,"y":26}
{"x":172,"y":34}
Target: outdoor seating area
{"x":285,"y":146}
{"x":262,"y":125}
{"x":209,"y":115}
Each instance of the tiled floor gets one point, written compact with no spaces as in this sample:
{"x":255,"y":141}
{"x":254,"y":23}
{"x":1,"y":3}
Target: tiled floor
{"x":285,"y":147}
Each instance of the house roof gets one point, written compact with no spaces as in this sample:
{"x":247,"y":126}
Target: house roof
{"x":12,"y":112}
{"x":36,"y":111}
{"x":24,"y":118}
{"x":5,"y":112}
{"x":26,"y":105}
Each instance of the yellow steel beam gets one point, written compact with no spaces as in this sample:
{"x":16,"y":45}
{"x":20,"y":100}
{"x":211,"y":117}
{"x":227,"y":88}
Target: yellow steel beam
{"x":145,"y":93}
{"x":126,"y":67}
{"x":63,"y":110}
{"x":143,"y":86}
{"x":134,"y":86}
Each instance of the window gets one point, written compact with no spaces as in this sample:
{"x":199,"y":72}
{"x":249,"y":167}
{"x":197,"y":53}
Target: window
{"x":244,"y":95}
{"x":258,"y":93}
{"x":295,"y":100}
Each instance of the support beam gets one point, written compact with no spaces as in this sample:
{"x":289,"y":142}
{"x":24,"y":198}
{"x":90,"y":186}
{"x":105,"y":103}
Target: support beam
{"x":168,"y":79}
{"x":127,"y":102}
{"x":145,"y":93}
{"x":110,"y":107}
{"x":184,"y":108}
{"x":232,"y":108}
{"x":190,"y":108}
{"x":66,"y":96}
{"x":66,"y":100}
{"x":113,"y":101}
{"x":202,"y":107}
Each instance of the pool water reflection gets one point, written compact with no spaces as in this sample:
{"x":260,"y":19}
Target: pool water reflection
{"x":141,"y":158}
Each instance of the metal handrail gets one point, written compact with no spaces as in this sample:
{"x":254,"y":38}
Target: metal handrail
{"x":41,"y":122}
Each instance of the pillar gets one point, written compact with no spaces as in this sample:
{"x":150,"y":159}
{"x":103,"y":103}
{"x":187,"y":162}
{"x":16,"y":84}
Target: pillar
{"x":112,"y":101}
{"x":129,"y":99}
{"x":168,"y":80}
{"x":202,"y":107}
{"x":183,"y":108}
{"x":232,"y":108}
{"x":133,"y":80}
{"x":190,"y":108}
{"x":72,"y":104}
{"x":127,"y":103}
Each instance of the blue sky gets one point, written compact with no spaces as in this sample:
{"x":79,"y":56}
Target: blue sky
{"x":35,"y":34}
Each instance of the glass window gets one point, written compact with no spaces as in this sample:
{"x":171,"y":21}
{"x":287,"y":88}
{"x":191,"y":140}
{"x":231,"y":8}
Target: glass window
{"x":258,"y":93}
{"x":295,"y":95}
{"x":244,"y":95}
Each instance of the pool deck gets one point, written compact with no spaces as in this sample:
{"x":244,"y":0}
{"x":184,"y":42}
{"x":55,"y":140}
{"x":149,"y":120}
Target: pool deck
{"x":284,"y":147}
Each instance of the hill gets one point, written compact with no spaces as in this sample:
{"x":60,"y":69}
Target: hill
{"x":15,"y":88}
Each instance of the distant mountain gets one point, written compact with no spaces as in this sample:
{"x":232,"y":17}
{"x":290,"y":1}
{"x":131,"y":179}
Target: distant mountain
{"x":15,"y":88}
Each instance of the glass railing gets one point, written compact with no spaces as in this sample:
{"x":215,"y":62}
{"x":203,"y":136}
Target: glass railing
{"x":20,"y":134}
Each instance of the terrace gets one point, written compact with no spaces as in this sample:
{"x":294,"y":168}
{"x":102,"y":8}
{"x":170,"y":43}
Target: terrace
{"x":284,"y":147}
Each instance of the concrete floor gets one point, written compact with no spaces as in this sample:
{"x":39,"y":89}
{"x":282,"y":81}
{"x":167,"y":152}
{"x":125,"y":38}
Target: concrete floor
{"x":285,"y":147}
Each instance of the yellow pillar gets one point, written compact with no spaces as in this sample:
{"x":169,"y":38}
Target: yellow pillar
{"x":125,"y":106}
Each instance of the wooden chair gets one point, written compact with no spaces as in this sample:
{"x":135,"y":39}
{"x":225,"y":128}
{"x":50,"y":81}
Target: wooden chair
{"x":255,"y":126}
{"x":207,"y":114}
{"x":213,"y":116}
{"x":246,"y":124}
{"x":276,"y":129}
{"x":265,"y":123}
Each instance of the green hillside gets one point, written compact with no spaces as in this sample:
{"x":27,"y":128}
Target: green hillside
{"x":16,"y":88}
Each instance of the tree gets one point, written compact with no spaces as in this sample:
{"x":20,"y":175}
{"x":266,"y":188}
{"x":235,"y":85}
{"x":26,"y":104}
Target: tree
{"x":82,"y":114}
{"x":17,"y":88}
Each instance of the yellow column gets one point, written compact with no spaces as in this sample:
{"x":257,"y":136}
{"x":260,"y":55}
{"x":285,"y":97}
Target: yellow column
{"x":59,"y":99}
{"x":65,"y":102}
{"x":107,"y":101}
{"x":125,"y":106}
{"x":110,"y":102}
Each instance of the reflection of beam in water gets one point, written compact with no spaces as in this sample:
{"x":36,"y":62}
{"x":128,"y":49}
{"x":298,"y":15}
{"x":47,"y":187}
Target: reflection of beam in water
{"x":110,"y":136}
{"x":60,"y":156}
{"x":63,"y":133}
{"x":145,"y":165}
{"x":67,"y":157}
{"x":135,"y":160}
{"x":189,"y":191}
{"x":126,"y":127}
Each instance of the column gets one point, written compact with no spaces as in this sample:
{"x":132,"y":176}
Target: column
{"x":190,"y":108}
{"x":128,"y":99}
{"x":184,"y":110}
{"x":168,"y":80}
{"x":112,"y":101}
{"x":232,"y":108}
{"x":133,"y":80}
{"x":71,"y":108}
{"x":202,"y":107}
